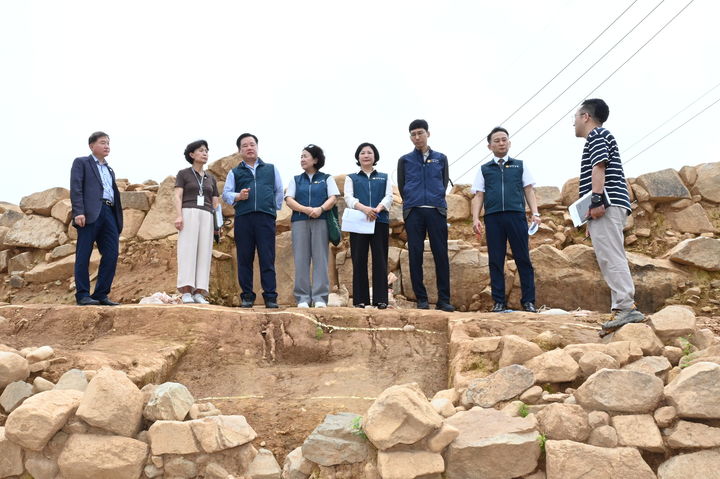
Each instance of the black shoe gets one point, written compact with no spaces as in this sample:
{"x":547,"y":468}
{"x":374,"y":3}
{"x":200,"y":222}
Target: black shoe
{"x":271,"y":305}
{"x":381,"y":305}
{"x":107,"y":302}
{"x":87,"y":301}
{"x":360,"y":305}
{"x":529,"y":307}
{"x":498,"y":308}
{"x":447,"y":307}
{"x":246,"y":303}
{"x":423,"y":304}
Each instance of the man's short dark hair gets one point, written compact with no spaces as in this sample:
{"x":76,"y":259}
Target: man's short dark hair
{"x":418,"y":124}
{"x":495,"y":130}
{"x":96,"y":136}
{"x":192,"y":147}
{"x":372,"y":147}
{"x":243,"y":136}
{"x":318,"y":154}
{"x":596,"y":108}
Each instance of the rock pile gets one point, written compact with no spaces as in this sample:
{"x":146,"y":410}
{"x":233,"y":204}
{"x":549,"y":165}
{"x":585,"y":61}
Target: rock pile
{"x":642,"y":404}
{"x":672,"y":232}
{"x":106,"y":427}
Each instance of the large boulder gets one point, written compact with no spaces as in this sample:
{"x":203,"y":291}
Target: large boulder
{"x":14,"y":394}
{"x":693,"y":435}
{"x":548,"y":196}
{"x":106,"y":457}
{"x":39,"y":417}
{"x":160,"y":220}
{"x":708,"y":182}
{"x":505,"y":383}
{"x":491,"y":445}
{"x":702,"y":252}
{"x":112,"y":402}
{"x":574,"y":460}
{"x":517,"y":350}
{"x":61,"y":269}
{"x":35,"y":232}
{"x":62,"y":211}
{"x":337,"y":441}
{"x":663,"y":186}
{"x":400,"y":415}
{"x":10,"y":217}
{"x":13,"y":367}
{"x":408,"y":464}
{"x":571,"y":191}
{"x":172,"y":437}
{"x":642,"y":335}
{"x":136,"y":200}
{"x":693,"y":219}
{"x":11,"y":457}
{"x":620,"y":391}
{"x":695,"y":391}
{"x":556,"y":366}
{"x":168,"y":401}
{"x":264,"y":466}
{"x":41,"y":203}
{"x":564,"y":421}
{"x":296,"y":466}
{"x":217,"y":433}
{"x":132,"y":220}
{"x":458,"y":208}
{"x":705,"y":464}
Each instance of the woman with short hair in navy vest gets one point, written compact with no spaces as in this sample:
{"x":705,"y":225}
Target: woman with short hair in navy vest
{"x":310,"y":195}
{"x":369,"y":191}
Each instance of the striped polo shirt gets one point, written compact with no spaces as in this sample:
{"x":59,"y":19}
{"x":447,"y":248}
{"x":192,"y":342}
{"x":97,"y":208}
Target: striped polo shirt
{"x":601,"y":146}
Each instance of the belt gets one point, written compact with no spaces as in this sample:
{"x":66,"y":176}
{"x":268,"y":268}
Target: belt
{"x":108,"y":202}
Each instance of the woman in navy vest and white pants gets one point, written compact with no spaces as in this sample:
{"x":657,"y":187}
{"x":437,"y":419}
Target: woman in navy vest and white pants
{"x":310,"y":195}
{"x":369,"y":191}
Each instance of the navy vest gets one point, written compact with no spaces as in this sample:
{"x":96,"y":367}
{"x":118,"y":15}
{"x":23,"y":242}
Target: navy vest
{"x":503,"y":186}
{"x":371,"y":191}
{"x":424,"y":180}
{"x":262,"y":188}
{"x":311,"y":193}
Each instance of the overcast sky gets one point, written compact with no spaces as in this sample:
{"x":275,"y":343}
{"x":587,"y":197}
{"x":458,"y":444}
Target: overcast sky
{"x":157,"y":75}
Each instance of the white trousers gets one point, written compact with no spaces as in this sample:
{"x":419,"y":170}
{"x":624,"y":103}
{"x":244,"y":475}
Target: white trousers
{"x":194,"y":250}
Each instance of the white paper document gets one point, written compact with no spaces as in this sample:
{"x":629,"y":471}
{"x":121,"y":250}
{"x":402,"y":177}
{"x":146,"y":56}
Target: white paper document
{"x":578,"y":210}
{"x":355,"y":221}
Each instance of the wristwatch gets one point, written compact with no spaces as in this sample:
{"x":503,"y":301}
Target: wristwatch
{"x":536,"y":214}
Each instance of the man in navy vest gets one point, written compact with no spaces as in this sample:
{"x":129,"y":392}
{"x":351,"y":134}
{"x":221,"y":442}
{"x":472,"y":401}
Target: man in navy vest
{"x":98,"y":217}
{"x":422,"y":180}
{"x":255,"y":189}
{"x":501,"y":187}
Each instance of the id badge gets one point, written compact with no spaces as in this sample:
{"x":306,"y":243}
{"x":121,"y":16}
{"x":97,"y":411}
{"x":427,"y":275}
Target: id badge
{"x":200,"y":200}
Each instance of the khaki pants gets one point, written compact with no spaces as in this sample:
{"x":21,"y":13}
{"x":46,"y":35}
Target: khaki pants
{"x":194,"y":249}
{"x":609,"y":245}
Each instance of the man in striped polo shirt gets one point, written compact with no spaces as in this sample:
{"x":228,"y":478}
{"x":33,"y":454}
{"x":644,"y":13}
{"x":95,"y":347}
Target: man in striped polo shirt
{"x":602,"y":173}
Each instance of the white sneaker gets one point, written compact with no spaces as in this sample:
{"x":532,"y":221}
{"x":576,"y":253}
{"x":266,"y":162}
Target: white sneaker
{"x":303,"y":305}
{"x":187,"y":298}
{"x":320,"y":304}
{"x":199,"y":298}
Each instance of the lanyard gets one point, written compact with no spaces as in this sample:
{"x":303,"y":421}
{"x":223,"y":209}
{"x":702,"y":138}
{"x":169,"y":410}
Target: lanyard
{"x":199,"y":180}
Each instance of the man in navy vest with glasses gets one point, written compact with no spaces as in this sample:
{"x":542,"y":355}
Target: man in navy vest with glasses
{"x":255,"y":189}
{"x":501,"y":187}
{"x":423,"y":177}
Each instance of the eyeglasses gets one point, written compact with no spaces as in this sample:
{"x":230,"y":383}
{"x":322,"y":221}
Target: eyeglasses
{"x":579,"y":115}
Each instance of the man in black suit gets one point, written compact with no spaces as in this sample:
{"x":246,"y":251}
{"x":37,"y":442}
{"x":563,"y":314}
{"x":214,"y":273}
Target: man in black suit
{"x":97,"y":215}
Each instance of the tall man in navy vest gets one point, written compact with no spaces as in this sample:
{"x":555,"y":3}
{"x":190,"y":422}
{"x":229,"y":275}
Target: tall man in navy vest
{"x":255,"y":189}
{"x":422,"y":180}
{"x":601,"y":173}
{"x":501,"y":187}
{"x":98,"y":217}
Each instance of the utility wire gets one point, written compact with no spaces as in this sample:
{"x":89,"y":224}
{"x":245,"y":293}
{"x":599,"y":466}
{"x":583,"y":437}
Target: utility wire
{"x":560,"y":72}
{"x":671,"y":118}
{"x":606,"y":79}
{"x":673,"y":131}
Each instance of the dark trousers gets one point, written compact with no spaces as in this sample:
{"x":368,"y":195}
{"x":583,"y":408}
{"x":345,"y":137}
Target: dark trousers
{"x":256,"y":231}
{"x":378,"y":244}
{"x":422,"y":221}
{"x":104,"y":233}
{"x":501,"y":228}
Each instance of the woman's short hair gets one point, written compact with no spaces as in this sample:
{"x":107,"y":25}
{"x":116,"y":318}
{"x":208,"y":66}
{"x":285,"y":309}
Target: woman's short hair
{"x":317,"y":153}
{"x":363,"y":145}
{"x":194,"y":146}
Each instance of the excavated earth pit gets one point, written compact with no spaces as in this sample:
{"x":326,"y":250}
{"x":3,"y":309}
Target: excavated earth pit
{"x":284,"y":370}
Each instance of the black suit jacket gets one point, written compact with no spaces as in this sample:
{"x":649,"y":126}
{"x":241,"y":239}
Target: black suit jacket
{"x":86,"y":191}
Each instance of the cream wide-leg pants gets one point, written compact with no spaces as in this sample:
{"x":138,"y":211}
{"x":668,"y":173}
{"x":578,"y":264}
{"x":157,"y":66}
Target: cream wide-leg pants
{"x":194,"y":250}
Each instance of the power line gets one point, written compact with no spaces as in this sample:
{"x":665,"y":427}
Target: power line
{"x":673,"y":131}
{"x":552,"y":79}
{"x":671,"y":118}
{"x":607,"y":78}
{"x":579,"y":78}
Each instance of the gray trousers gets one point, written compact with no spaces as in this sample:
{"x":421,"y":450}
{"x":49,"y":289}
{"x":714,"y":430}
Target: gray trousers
{"x":609,"y":244}
{"x":310,"y":243}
